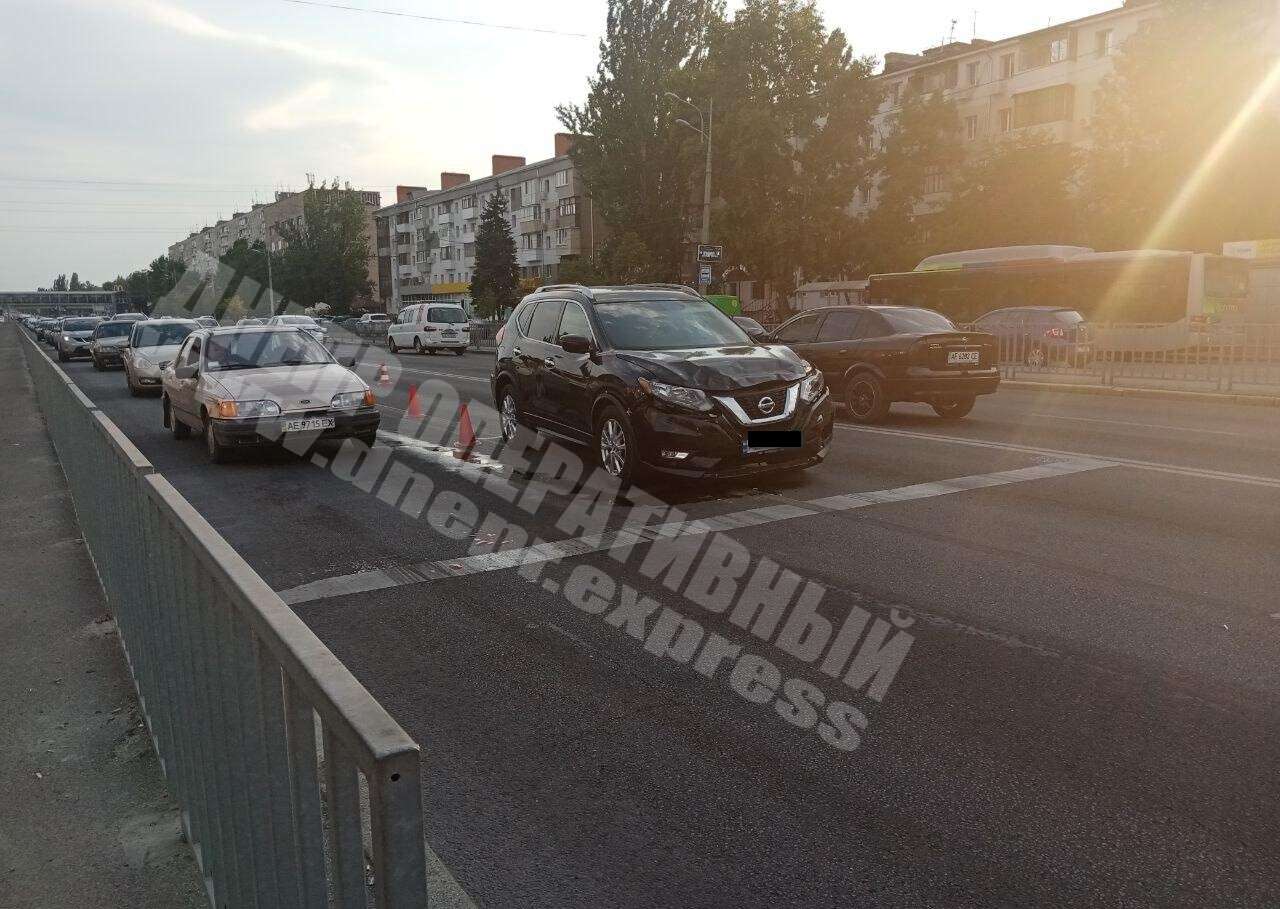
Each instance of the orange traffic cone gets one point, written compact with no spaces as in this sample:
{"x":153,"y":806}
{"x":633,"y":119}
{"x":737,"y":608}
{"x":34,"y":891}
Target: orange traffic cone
{"x":384,"y":377}
{"x":466,"y":435}
{"x":414,"y":410}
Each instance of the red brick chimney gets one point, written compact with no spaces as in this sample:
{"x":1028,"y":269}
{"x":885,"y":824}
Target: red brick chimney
{"x":450,"y":180}
{"x":504,"y":163}
{"x":405,"y":193}
{"x":564,"y":142}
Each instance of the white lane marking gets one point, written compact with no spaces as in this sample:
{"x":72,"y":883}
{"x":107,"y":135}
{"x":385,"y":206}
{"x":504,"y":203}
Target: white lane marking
{"x":1198,"y":472}
{"x":445,"y":375}
{"x":1212,"y":432}
{"x":442,"y":454}
{"x":633,"y":534}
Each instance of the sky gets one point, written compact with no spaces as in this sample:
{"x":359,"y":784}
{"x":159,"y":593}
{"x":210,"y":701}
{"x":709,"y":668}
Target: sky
{"x":126,"y":124}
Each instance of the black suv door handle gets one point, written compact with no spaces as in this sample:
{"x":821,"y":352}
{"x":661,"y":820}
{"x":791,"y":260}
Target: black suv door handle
{"x":516,"y":351}
{"x":549,"y":362}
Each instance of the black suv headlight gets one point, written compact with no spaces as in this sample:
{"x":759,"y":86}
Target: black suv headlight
{"x":811,"y":387}
{"x":688,"y":398}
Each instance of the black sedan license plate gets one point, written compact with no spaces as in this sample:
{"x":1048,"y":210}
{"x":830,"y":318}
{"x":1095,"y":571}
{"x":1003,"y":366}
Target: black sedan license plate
{"x":764,"y":439}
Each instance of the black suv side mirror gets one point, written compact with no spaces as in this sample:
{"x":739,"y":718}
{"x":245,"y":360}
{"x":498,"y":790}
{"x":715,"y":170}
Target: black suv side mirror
{"x":575,"y":344}
{"x":185,"y":372}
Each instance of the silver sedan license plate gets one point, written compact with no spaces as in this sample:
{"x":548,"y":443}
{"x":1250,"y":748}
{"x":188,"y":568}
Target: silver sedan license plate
{"x":308,"y":425}
{"x":963,"y":357}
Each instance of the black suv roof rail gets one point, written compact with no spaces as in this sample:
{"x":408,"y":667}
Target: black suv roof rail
{"x":576,"y":288}
{"x":660,"y":286}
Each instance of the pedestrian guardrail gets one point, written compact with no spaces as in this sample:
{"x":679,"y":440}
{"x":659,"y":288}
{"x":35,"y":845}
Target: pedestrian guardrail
{"x":296,"y":787}
{"x":1214,"y":357}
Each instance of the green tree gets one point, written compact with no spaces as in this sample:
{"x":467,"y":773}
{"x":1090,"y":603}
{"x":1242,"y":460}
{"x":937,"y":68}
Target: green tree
{"x":635,"y":164}
{"x":495,"y":281}
{"x":1010,"y":192}
{"x":75,"y":282}
{"x":908,"y":175}
{"x":791,"y":140}
{"x":1180,"y":158}
{"x":326,"y":256}
{"x":60,"y":283}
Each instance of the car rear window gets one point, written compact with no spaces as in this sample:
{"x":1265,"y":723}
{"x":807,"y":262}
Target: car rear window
{"x":113,"y":329}
{"x":1068,"y":316}
{"x":909,"y":319}
{"x":447,"y":314}
{"x":160,"y":335}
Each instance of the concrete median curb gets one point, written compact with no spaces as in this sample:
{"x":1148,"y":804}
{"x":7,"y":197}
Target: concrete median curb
{"x":1203,"y":397}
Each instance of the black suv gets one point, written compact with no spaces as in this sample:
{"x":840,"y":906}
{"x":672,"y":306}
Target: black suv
{"x":875,"y":355}
{"x":653,"y":377}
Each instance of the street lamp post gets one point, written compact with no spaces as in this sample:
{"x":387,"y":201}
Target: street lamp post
{"x":703,"y":130}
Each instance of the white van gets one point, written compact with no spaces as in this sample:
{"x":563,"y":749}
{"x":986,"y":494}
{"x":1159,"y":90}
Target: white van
{"x":430,"y":327}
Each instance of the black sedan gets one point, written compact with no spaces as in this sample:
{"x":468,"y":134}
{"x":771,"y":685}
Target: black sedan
{"x":874,"y":355}
{"x":656,"y":379}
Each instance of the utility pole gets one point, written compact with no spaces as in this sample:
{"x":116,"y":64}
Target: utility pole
{"x":704,"y":130}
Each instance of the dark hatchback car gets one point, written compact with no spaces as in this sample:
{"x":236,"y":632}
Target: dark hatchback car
{"x":874,"y":355}
{"x":1039,"y":335}
{"x":655,"y":378}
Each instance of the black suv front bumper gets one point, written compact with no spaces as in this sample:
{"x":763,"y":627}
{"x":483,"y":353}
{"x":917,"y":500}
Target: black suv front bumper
{"x":716,"y":442}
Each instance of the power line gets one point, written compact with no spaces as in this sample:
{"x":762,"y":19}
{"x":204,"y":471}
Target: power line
{"x":402,"y":15}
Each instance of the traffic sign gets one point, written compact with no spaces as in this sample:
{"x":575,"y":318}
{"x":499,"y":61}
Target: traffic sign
{"x":710,"y":253}
{"x":704,"y":274}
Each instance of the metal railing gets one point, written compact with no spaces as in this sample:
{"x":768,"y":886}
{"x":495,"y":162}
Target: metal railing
{"x":1239,"y":358}
{"x":282,"y":763}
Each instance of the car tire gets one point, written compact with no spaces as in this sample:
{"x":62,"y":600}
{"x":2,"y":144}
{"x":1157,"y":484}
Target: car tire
{"x":133,"y":389}
{"x":865,"y":399}
{"x":391,"y":344}
{"x":615,"y":448}
{"x":954,"y":408}
{"x":417,"y":345}
{"x":508,"y":412}
{"x":179,"y":429}
{"x":218,"y":452}
{"x":62,"y":358}
{"x":460,"y":351}
{"x":368,"y":438}
{"x":96,"y":365}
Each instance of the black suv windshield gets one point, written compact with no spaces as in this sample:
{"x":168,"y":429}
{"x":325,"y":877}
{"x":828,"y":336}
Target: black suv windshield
{"x":162,"y":334}
{"x":79,"y":324}
{"x":259,"y":349}
{"x":667,"y":325}
{"x":113,"y":329}
{"x":908,"y":319}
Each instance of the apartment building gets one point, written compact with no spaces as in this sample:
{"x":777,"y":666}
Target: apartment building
{"x":426,"y":239}
{"x":262,"y":223}
{"x":1046,"y":80}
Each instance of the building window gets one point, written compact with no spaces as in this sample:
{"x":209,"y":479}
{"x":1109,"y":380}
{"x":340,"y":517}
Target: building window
{"x":1059,"y":50}
{"x":1006,"y":66}
{"x":971,"y":72}
{"x":1045,"y":105}
{"x":933,"y":180}
{"x":895,"y":93}
{"x":562,"y":237}
{"x":1006,"y":119}
{"x":1105,"y":42}
{"x":562,"y":178}
{"x":864,"y":195}
{"x":970,"y":128}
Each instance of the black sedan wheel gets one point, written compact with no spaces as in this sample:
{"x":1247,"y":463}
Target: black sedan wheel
{"x":865,"y":398}
{"x":218,"y":452}
{"x":954,"y":408}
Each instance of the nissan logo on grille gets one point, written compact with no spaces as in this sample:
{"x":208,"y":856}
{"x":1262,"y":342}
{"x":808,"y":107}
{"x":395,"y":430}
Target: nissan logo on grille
{"x":765,"y":404}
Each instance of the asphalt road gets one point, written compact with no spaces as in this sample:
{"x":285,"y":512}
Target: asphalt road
{"x":1087,"y":715}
